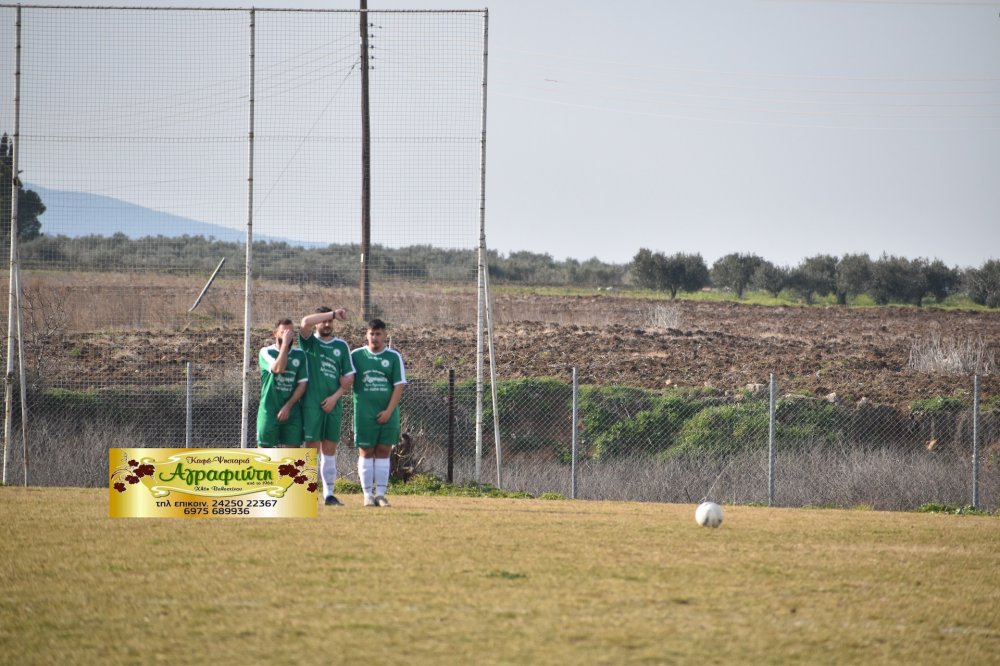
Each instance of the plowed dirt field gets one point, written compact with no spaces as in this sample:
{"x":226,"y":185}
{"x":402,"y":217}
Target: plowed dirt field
{"x":853,"y":352}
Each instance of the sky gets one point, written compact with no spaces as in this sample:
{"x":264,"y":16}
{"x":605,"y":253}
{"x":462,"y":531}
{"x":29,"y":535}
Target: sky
{"x":783,"y":128}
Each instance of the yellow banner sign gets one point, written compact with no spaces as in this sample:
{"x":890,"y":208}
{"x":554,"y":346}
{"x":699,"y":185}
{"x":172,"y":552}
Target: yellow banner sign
{"x":212,"y":483}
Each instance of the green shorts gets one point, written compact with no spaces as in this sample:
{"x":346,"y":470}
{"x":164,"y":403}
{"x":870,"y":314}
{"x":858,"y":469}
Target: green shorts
{"x":367,"y":436}
{"x":320,"y":426}
{"x":272,"y":432}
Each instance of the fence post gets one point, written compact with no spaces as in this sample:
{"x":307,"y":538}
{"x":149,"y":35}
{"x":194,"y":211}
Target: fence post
{"x":572,"y":464}
{"x":975,"y":442}
{"x":187,"y":404}
{"x":451,"y":425}
{"x":772,"y":399}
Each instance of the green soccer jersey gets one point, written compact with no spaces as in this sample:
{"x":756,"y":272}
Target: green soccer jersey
{"x":275,"y":390}
{"x":377,"y":374}
{"x":327,"y":361}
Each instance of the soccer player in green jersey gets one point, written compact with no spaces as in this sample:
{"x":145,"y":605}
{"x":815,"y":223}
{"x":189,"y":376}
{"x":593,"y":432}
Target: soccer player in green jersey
{"x":378,"y":388}
{"x":331,"y":375}
{"x":283,"y":379}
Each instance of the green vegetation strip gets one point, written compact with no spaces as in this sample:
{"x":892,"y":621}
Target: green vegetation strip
{"x":479,"y":580}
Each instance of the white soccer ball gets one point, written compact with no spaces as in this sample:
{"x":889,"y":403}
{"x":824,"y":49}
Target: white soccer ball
{"x":708,"y":514}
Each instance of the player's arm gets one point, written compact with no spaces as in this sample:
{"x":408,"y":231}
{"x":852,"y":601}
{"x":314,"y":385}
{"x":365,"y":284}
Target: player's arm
{"x":281,"y":362}
{"x":347,"y":373}
{"x":309,"y":322}
{"x":397,"y":395}
{"x":286,"y":409}
{"x":346,"y":383}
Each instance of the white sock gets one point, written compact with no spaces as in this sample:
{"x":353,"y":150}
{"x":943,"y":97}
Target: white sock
{"x":365,"y":468}
{"x":328,"y":470}
{"x":381,"y":476}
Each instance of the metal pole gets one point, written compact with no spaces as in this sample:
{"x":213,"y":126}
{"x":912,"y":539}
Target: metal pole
{"x":481,"y":288}
{"x":493,"y":373}
{"x":13,"y":300}
{"x":248,"y":288}
{"x":772,"y":393}
{"x":207,"y":285}
{"x":22,"y":374}
{"x":572,"y":464}
{"x":188,"y":422}
{"x":451,"y":425}
{"x":975,"y":442}
{"x":366,"y":195}
{"x":480,"y":314}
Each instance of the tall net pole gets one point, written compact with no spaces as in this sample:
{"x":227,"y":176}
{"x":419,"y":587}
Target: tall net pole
{"x":248,"y":277}
{"x":366,"y":165}
{"x":481,"y":273}
{"x":14,"y":300}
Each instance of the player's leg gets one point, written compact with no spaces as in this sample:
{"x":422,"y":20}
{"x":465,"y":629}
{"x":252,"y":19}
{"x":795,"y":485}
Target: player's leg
{"x":267,"y":429}
{"x":329,"y":438}
{"x":312,"y":426}
{"x":366,"y":470}
{"x":388,"y":438}
{"x":290,"y":432}
{"x":328,"y":471}
{"x":314,"y":432}
{"x":365,"y":437}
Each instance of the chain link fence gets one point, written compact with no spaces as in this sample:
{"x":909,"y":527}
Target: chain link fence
{"x":631,"y":443}
{"x":688,"y":445}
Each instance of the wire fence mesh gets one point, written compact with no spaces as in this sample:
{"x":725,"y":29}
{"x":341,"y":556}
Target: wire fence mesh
{"x":632,"y":444}
{"x":686,"y":446}
{"x":150,"y":142}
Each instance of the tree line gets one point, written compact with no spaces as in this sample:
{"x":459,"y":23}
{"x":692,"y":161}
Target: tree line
{"x":332,"y":265}
{"x":887,"y":279}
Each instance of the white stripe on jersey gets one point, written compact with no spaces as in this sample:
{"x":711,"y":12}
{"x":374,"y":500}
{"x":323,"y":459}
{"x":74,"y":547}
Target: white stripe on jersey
{"x":402,"y":368}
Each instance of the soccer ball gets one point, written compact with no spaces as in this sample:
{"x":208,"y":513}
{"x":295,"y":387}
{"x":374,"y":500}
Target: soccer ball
{"x":708,"y":514}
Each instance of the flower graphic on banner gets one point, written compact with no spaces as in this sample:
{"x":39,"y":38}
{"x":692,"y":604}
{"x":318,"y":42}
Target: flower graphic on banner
{"x":297,"y":472}
{"x":131,"y":472}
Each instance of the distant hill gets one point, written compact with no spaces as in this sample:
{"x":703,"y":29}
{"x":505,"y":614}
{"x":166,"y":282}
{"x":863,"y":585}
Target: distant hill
{"x":75,"y":214}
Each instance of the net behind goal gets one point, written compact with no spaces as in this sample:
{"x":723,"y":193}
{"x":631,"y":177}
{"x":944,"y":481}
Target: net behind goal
{"x":149,"y":141}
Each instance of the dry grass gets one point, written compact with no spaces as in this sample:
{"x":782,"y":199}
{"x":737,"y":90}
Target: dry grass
{"x":123,"y":301}
{"x":449,"y":580}
{"x":952,"y":356}
{"x":662,"y":315}
{"x":116,"y":301}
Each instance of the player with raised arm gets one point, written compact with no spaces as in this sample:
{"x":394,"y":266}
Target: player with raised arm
{"x":283,"y":380}
{"x":331,"y":375}
{"x":378,"y":388}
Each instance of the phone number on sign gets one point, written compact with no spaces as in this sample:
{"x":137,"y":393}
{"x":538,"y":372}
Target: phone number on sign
{"x":226,"y":507}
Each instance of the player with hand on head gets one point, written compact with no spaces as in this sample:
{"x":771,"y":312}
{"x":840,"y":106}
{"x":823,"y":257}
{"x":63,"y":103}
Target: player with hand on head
{"x":283,"y":380}
{"x":378,"y":388}
{"x":331,"y":375}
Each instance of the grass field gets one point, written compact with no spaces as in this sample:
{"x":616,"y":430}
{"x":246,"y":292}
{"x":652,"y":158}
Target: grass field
{"x":505,"y":581}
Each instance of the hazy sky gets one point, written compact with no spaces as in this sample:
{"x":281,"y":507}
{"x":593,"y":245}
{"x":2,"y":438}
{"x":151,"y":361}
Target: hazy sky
{"x":785,"y":128}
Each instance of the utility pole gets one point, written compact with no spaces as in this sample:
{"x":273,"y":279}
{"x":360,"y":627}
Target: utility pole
{"x":366,"y":162}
